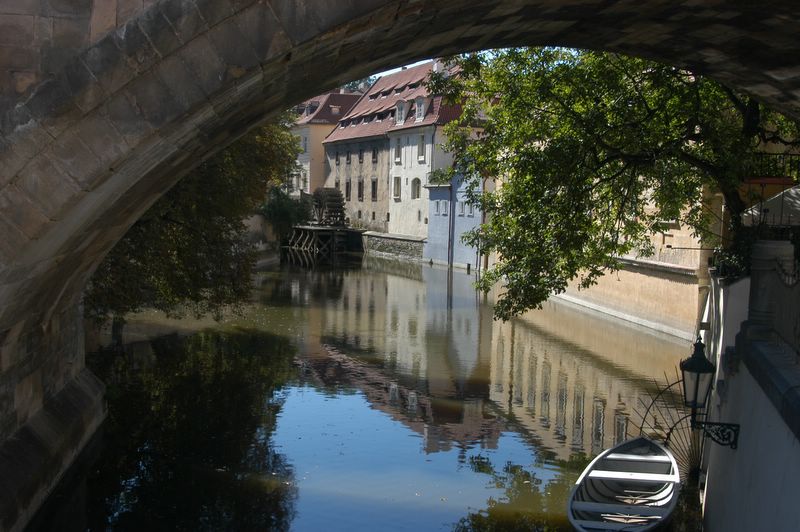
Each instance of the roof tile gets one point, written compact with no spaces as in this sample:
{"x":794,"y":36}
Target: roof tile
{"x":382,"y":97}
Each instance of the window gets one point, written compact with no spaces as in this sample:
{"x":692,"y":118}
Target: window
{"x":347,"y":157}
{"x":436,"y":208}
{"x":416,"y":187}
{"x":461,"y":208}
{"x":347,"y":188}
{"x":420,"y":109}
{"x":444,"y":208}
{"x":374,"y":189}
{"x":421,"y":149}
{"x":373,"y":216}
{"x":337,"y":158}
{"x":398,"y":151}
{"x":401,"y":112}
{"x":337,"y":183}
{"x":361,"y":155}
{"x":374,"y":155}
{"x":419,"y":216}
{"x":305,"y":144}
{"x":360,"y":189}
{"x":397,"y":184}
{"x":470,"y":210}
{"x":359,"y":217}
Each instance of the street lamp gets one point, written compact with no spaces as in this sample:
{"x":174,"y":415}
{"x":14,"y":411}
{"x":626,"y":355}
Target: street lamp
{"x":698,"y":374}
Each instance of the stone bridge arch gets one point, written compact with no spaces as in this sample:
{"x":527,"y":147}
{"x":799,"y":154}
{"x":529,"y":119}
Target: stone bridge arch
{"x":90,"y":148}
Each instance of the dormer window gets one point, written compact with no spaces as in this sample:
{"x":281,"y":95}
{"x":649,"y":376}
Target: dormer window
{"x":420,"y":102}
{"x":401,"y":112}
{"x":335,"y":109}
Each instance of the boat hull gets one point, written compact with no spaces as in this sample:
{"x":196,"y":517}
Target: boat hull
{"x":633,"y":487}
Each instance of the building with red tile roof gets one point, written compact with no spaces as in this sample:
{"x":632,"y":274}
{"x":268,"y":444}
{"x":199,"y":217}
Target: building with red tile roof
{"x":317,"y":116}
{"x":382,"y":152}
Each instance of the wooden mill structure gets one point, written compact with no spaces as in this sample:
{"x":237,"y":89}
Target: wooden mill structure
{"x":328,"y":235}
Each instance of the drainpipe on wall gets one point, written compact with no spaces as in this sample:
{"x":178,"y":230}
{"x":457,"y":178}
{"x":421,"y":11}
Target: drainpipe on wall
{"x":451,"y":229}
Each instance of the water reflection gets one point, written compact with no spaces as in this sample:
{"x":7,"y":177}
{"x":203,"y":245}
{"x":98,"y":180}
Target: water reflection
{"x":186,"y":445}
{"x":410,"y":408}
{"x":410,"y":334}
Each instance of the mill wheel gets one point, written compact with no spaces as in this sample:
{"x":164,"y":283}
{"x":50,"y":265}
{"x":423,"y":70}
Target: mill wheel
{"x":329,"y":206}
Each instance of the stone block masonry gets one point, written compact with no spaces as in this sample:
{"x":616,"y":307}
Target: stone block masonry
{"x":36,"y":457}
{"x":390,"y":244}
{"x":39,"y":37}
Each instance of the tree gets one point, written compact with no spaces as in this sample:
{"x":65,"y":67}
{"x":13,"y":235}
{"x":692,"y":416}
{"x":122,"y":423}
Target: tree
{"x":189,"y":249}
{"x":360,"y":85}
{"x":593,"y":151}
{"x":283,"y":212}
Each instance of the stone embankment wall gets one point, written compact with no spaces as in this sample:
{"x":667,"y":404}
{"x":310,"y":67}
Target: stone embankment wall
{"x":659,"y":296}
{"x":398,"y":245}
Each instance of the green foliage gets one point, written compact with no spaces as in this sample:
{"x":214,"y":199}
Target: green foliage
{"x":189,"y":250}
{"x":593,"y":151}
{"x":359,"y":84}
{"x":282,"y":212}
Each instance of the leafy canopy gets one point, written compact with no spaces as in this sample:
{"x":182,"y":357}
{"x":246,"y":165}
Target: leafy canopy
{"x":592,"y":151}
{"x":189,"y":250}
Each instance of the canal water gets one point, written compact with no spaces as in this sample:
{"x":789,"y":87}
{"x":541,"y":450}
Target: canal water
{"x":373,"y":396}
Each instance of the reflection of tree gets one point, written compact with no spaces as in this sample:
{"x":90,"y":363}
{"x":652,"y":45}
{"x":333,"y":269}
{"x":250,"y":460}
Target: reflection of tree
{"x":188,"y":436}
{"x":528,"y":503}
{"x":292,"y":286}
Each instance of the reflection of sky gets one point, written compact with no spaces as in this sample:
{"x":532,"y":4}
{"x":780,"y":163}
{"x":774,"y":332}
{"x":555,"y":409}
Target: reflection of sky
{"x":357,"y":469}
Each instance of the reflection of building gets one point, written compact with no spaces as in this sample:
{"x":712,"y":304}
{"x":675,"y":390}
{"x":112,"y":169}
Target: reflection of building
{"x":421,"y":345}
{"x":413,"y":348}
{"x":570,"y":378}
{"x":442,"y":423}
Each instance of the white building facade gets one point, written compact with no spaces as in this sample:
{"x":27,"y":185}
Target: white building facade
{"x":382,"y":153}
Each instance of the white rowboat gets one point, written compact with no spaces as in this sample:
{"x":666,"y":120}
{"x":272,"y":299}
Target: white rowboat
{"x":631,"y":487}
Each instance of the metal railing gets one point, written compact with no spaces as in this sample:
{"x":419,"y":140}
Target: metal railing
{"x":773,"y":165}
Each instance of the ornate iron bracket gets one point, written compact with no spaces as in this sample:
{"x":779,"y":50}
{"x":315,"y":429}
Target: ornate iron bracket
{"x":721,"y":433}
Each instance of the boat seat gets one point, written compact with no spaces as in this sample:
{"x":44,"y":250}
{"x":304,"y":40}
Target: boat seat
{"x":629,"y":476}
{"x":606,"y":525}
{"x":637,"y":457}
{"x":624,"y":509}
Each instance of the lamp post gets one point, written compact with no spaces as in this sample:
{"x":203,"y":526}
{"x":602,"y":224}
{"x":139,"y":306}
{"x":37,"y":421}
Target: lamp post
{"x":698,"y":374}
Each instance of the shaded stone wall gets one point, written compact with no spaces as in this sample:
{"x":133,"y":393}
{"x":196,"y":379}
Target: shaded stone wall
{"x":36,"y":363}
{"x":38,"y":37}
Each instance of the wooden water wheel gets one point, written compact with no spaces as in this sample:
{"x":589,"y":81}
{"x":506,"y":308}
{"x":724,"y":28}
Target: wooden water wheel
{"x":328,"y":206}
